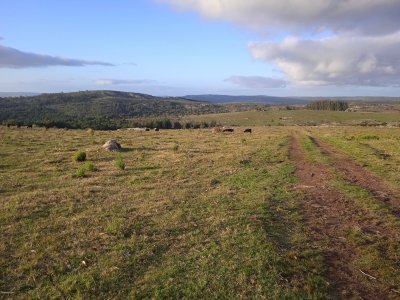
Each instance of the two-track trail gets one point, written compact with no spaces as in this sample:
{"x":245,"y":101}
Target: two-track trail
{"x":353,"y":172}
{"x":329,"y":214}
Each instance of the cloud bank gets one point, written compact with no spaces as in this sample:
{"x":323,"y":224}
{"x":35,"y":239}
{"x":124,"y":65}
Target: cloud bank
{"x":257,"y":82}
{"x":367,"y":16}
{"x":122,"y":82}
{"x":17,"y":59}
{"x":317,"y":42}
{"x":372,"y":61}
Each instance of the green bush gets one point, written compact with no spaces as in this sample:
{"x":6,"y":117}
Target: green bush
{"x":79,"y":156}
{"x":80,"y":172}
{"x":119,"y":163}
{"x":90,"y":166}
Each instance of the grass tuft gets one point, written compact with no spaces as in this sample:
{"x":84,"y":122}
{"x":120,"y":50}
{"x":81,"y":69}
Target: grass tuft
{"x":90,"y":166}
{"x":80,"y":172}
{"x":79,"y":156}
{"x":119,"y":163}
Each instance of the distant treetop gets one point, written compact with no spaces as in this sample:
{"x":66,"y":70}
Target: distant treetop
{"x":335,"y":105}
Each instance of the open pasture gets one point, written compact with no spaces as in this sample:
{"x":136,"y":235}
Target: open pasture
{"x":302,"y":117}
{"x":196,"y":214}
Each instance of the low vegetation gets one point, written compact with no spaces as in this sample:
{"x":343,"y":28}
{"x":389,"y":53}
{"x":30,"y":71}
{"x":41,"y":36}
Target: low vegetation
{"x":194,"y":214}
{"x":119,"y":163}
{"x":167,"y":227}
{"x":79,"y":156}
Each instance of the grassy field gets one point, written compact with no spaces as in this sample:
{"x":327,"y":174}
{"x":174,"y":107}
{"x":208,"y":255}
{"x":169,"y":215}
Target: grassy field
{"x":296,"y":117}
{"x":191,"y":215}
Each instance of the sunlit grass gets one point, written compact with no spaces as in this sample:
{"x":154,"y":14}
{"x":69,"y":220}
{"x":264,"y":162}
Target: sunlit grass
{"x":193,"y":215}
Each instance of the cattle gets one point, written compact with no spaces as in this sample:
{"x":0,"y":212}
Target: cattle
{"x":247,"y":130}
{"x":156,"y":129}
{"x":228,"y":130}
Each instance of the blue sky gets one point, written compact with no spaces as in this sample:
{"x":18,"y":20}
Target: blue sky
{"x":168,"y":47}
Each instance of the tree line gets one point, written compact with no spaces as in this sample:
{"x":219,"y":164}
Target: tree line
{"x":334,"y":105}
{"x":112,"y":124}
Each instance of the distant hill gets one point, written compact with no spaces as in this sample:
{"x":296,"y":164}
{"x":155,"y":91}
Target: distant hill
{"x":17,"y":94}
{"x":96,"y":109}
{"x":248,"y":99}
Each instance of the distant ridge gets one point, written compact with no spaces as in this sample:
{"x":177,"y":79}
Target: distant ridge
{"x":247,"y":99}
{"x":100,"y":109}
{"x":17,"y":94}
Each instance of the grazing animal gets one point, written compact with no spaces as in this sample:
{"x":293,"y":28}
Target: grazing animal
{"x":227,"y":130}
{"x":247,"y":130}
{"x":156,"y":129}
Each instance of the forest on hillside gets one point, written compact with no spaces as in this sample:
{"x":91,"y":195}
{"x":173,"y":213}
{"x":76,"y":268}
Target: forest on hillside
{"x":98,"y":109}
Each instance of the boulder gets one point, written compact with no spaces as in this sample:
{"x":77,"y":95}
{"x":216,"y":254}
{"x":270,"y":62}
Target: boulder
{"x":113,"y":146}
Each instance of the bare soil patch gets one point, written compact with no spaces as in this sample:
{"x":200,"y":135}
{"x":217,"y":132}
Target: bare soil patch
{"x":329,"y":215}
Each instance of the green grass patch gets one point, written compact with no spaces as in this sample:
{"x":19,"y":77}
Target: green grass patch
{"x":119,"y":163}
{"x":376,"y":149}
{"x":312,"y":152}
{"x":377,"y":255}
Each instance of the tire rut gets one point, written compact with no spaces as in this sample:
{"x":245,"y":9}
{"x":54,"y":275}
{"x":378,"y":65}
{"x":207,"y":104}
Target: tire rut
{"x":354,"y":173}
{"x":329,"y":215}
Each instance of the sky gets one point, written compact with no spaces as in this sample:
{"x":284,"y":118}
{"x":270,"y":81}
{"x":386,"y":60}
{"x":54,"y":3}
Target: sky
{"x":181,"y":47}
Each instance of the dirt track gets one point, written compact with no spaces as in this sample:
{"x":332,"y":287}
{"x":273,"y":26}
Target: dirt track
{"x":329,"y":215}
{"x":355,"y":173}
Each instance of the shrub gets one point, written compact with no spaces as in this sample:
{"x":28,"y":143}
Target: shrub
{"x":80,"y":172}
{"x":90,"y":166}
{"x":119,"y":163}
{"x":79,"y":156}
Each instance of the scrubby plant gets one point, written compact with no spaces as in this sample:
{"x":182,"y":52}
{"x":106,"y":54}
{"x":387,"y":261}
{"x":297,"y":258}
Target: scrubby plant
{"x":79,"y":156}
{"x":81,"y":171}
{"x":90,"y":166}
{"x":119,"y":163}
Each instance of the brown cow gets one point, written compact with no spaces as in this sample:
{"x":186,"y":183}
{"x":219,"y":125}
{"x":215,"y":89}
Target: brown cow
{"x":247,"y":130}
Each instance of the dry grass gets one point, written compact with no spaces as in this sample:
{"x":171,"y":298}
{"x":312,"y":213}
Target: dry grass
{"x":193,"y":215}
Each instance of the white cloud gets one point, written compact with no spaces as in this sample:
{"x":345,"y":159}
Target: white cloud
{"x":366,"y":16}
{"x":122,"y":82}
{"x":257,"y":82}
{"x":17,"y":59}
{"x":362,"y":47}
{"x":340,"y":60}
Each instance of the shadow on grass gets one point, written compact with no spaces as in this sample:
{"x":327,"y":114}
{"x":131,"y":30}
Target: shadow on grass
{"x":129,"y":149}
{"x":277,"y":226}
